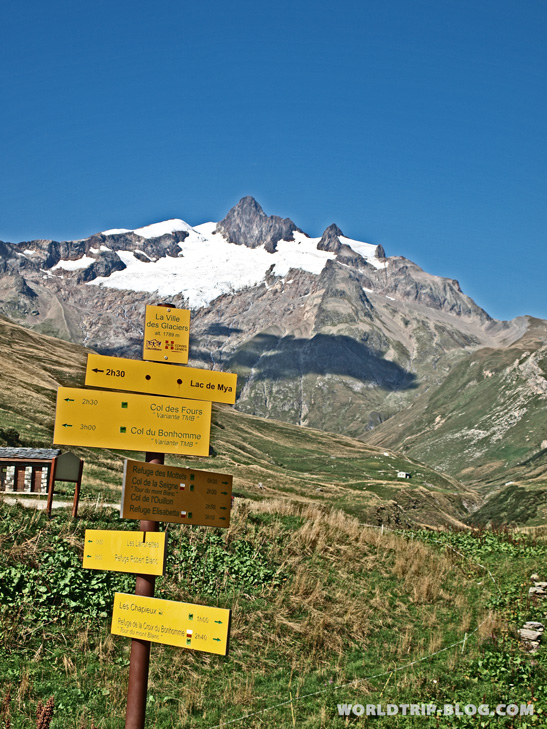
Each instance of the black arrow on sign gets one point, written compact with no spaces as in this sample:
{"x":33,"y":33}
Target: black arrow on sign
{"x":224,"y":492}
{"x":95,"y":369}
{"x":66,"y":425}
{"x":68,"y":399}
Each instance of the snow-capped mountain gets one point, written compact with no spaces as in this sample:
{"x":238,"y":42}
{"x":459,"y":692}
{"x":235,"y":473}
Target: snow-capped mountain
{"x":327,"y":332}
{"x":210,"y":259}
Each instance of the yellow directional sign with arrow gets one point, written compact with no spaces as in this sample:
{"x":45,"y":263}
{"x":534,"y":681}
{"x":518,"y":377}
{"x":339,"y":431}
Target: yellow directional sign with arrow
{"x":177,"y":495}
{"x":140,"y":552}
{"x":132,"y":422}
{"x":181,"y":624}
{"x":117,"y":373}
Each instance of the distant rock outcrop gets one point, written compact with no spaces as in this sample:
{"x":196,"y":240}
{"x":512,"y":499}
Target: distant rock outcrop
{"x":330,"y":240}
{"x":246,"y":224}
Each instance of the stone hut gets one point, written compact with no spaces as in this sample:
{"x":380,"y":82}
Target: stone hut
{"x":26,"y":470}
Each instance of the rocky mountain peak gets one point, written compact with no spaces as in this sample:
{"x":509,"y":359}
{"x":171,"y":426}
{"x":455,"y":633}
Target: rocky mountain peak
{"x":247,"y":224}
{"x":330,"y":240}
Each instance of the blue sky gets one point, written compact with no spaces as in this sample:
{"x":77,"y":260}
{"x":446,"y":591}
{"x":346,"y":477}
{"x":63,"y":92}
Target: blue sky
{"x":419,"y":125}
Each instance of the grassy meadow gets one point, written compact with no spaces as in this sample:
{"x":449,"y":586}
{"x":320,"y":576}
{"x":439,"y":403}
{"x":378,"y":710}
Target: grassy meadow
{"x":325,"y":611}
{"x":327,"y":607}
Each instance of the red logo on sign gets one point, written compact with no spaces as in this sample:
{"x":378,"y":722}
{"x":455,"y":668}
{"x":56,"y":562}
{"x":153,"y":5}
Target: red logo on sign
{"x":169,"y":344}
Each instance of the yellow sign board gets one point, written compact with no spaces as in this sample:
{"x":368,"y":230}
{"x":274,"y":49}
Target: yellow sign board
{"x":140,"y":552}
{"x":181,"y":624}
{"x":117,"y":373}
{"x":173,"y":494}
{"x":166,"y":334}
{"x":132,"y":422}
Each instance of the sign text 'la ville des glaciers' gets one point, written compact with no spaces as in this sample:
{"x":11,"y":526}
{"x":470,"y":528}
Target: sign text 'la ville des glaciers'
{"x":181,"y":624}
{"x":174,"y":494}
{"x":118,"y":373}
{"x":131,"y":422}
{"x":166,"y":334}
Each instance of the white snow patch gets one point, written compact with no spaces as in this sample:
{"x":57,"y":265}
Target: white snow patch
{"x":165,"y":228}
{"x":116,"y":231}
{"x":210,"y":266}
{"x":153,"y":231}
{"x":83,"y":262}
{"x":367,"y":250}
{"x":28,"y":252}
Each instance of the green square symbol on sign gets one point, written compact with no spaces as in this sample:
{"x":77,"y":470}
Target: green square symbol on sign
{"x":124,"y":404}
{"x":123,"y":429}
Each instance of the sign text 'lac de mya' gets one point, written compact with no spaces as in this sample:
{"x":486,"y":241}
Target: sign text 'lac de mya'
{"x":173,"y":494}
{"x":181,"y":624}
{"x":140,"y":552}
{"x":117,"y":373}
{"x":166,"y":334}
{"x":132,"y":422}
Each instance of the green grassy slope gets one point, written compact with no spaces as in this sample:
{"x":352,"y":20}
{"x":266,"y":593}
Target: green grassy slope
{"x":487,"y":423}
{"x":324,"y":611}
{"x":267,"y":458}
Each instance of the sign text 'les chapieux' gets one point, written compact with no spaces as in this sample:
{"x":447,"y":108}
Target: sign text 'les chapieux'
{"x":131,"y":422}
{"x":117,"y":373}
{"x":166,"y":334}
{"x":181,"y":624}
{"x":174,"y":494}
{"x":121,"y":551}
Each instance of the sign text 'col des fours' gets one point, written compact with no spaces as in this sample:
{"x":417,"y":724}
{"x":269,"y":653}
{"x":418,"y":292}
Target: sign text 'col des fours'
{"x":170,"y":414}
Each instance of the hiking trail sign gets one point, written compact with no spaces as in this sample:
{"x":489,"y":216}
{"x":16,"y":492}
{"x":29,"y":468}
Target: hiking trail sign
{"x":181,"y":624}
{"x":118,"y":373}
{"x":123,"y":421}
{"x":166,"y":334}
{"x":122,"y":551}
{"x":176,"y":495}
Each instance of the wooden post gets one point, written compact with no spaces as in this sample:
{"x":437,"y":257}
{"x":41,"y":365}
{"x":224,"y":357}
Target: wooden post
{"x":140,"y":649}
{"x":139,"y":660}
{"x":51,"y":487}
{"x":77,"y":490}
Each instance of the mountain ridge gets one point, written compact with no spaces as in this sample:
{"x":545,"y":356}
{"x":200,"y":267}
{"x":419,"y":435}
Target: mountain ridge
{"x":326,"y":332}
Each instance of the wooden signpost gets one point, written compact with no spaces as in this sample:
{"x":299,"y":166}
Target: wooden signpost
{"x":153,"y":492}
